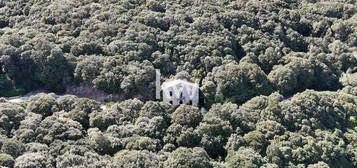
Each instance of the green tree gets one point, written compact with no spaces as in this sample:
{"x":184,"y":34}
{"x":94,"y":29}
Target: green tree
{"x":134,"y":158}
{"x":260,"y":108}
{"x":56,"y":127}
{"x":214,"y":134}
{"x":154,"y":127}
{"x":301,"y":73}
{"x":319,"y":110}
{"x":43,"y":104}
{"x":12,"y":147}
{"x":245,"y":157}
{"x":188,"y":157}
{"x":186,"y":115}
{"x":256,"y":140}
{"x":100,"y":142}
{"x":153,"y":109}
{"x":10,"y":116}
{"x":29,"y":160}
{"x":81,"y":155}
{"x":6,"y":160}
{"x":240,"y":82}
{"x":129,"y":110}
{"x":139,"y":78}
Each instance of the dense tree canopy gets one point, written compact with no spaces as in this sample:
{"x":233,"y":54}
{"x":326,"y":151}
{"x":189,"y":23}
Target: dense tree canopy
{"x":312,"y":128}
{"x":278,"y":80}
{"x":116,"y":45}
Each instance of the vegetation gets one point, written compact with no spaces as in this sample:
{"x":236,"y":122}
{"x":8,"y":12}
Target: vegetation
{"x":278,"y":79}
{"x":312,"y":128}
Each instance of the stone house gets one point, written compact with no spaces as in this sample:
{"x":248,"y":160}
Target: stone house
{"x":177,"y":92}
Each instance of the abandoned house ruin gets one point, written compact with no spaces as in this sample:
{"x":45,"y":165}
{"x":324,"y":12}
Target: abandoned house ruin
{"x":177,"y":92}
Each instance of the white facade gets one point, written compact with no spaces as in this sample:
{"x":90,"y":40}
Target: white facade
{"x":177,"y":92}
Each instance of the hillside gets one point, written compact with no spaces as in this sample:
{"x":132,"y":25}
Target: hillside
{"x":278,"y":79}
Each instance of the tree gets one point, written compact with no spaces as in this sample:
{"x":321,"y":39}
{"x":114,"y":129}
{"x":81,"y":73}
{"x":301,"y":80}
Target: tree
{"x":89,"y":68}
{"x":234,"y":142}
{"x":29,"y":160}
{"x":25,"y":135}
{"x":239,"y":82}
{"x":153,"y":109}
{"x":350,"y":90}
{"x":141,"y":143}
{"x":214,"y":134}
{"x":82,"y":109}
{"x":134,"y":158}
{"x":222,"y":111}
{"x":349,"y":78}
{"x":86,"y":48}
{"x":99,"y":142}
{"x":270,"y":128}
{"x":39,"y":62}
{"x":56,"y":127}
{"x":188,"y":138}
{"x":255,"y":62}
{"x":128,"y":109}
{"x":81,"y":155}
{"x":301,"y":73}
{"x":54,"y":70}
{"x":351,"y":147}
{"x":139,"y":78}
{"x":43,"y":104}
{"x":10,"y":117}
{"x":284,"y":79}
{"x":110,"y":76}
{"x":154,"y":127}
{"x":187,"y":157}
{"x":67,"y":102}
{"x":172,"y":133}
{"x":12,"y":147}
{"x":316,"y":146}
{"x":245,"y":157}
{"x":26,"y":132}
{"x":7,"y":87}
{"x":37,"y":147}
{"x":103,"y":119}
{"x":319,"y":110}
{"x":121,"y":131}
{"x":186,"y":115}
{"x":6,"y":160}
{"x":256,"y":140}
{"x":260,"y":108}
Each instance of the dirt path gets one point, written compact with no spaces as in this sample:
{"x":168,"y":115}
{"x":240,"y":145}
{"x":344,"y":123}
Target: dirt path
{"x":19,"y":99}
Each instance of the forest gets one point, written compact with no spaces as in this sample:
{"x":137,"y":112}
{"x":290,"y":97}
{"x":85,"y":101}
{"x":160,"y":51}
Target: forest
{"x":278,"y":80}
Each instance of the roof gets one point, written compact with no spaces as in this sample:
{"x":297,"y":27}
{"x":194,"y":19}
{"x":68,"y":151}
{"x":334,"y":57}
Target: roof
{"x":177,"y":82}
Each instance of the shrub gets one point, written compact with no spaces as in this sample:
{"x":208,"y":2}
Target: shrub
{"x":6,"y":160}
{"x":30,"y":160}
{"x":12,"y":147}
{"x":187,"y":157}
{"x":43,"y":104}
{"x":134,"y":158}
{"x":187,"y":115}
